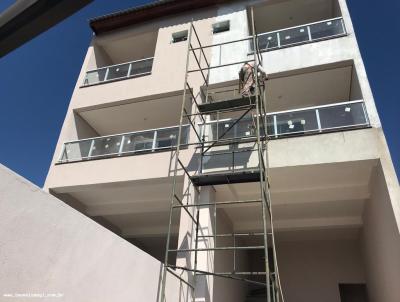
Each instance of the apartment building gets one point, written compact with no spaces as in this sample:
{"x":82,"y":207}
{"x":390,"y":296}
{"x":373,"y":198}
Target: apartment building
{"x":150,"y":124}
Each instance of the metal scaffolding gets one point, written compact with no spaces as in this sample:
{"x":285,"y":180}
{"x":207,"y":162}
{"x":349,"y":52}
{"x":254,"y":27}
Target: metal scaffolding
{"x":254,"y":106}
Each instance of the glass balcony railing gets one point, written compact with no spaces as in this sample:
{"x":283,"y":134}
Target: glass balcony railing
{"x":302,"y":34}
{"x":120,"y":71}
{"x":317,"y":119}
{"x":123,"y":144}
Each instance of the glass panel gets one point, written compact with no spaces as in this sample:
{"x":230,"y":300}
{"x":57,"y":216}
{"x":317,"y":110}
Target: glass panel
{"x":76,"y":150}
{"x":217,"y":129}
{"x":95,"y":76}
{"x":185,"y":134}
{"x":267,"y":41}
{"x":242,"y":129}
{"x":295,"y":35}
{"x":138,"y":141}
{"x":295,"y":122}
{"x":245,"y":128}
{"x":119,"y":71}
{"x":167,"y":137}
{"x":342,"y":115}
{"x":141,"y":67}
{"x":106,"y":145}
{"x":327,"y":29}
{"x":270,"y":125}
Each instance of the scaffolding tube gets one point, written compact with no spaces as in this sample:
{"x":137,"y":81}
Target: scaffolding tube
{"x":272,"y":283}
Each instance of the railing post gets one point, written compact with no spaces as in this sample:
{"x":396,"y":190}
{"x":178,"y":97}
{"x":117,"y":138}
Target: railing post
{"x":233,"y":160}
{"x":278,"y":36}
{"x":106,"y":75}
{"x":343,"y":26}
{"x":86,"y":80}
{"x":129,"y":70}
{"x":91,"y":148}
{"x":220,"y":54}
{"x":366,"y":117}
{"x":309,"y":33}
{"x":154,"y":145}
{"x":121,"y":145}
{"x":318,"y":120}
{"x":64,"y":149}
{"x":275,"y":127}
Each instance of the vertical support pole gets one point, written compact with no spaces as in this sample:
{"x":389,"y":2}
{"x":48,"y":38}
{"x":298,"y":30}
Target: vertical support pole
{"x":196,"y":245}
{"x":174,"y":182}
{"x":234,"y":252}
{"x":260,"y":154}
{"x":215,"y":223}
{"x":217,"y":128}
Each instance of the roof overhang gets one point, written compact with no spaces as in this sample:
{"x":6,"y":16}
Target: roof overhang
{"x":144,"y":13}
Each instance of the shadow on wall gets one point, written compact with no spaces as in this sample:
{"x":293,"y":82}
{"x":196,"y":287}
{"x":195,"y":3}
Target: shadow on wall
{"x":229,"y":159}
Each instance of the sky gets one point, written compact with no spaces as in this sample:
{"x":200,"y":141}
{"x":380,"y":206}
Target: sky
{"x":37,"y":80}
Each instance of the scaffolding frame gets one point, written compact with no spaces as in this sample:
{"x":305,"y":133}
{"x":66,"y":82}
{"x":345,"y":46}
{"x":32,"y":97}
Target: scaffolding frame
{"x":272,"y":283}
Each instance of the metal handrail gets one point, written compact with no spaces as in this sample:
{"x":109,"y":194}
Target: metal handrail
{"x":120,"y":152}
{"x":290,"y":111}
{"x":119,"y":64}
{"x":266,"y":33}
{"x":298,"y":26}
{"x":125,"y":133}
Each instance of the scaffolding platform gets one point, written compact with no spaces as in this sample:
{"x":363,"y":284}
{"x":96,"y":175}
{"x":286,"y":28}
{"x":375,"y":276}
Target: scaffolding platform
{"x":223,"y":178}
{"x":227,"y":104}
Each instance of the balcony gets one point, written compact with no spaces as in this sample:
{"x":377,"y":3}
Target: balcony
{"x":154,"y":140}
{"x":236,"y":151}
{"x":119,"y":72}
{"x":310,"y":120}
{"x":307,"y":33}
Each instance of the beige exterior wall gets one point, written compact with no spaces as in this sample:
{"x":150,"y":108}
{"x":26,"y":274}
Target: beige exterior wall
{"x":312,"y":270}
{"x":358,"y":146}
{"x":381,"y":242}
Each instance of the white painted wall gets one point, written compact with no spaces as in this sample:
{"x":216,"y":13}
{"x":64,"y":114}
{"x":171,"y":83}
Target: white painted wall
{"x":381,"y":242}
{"x":229,"y":53}
{"x":48,"y":247}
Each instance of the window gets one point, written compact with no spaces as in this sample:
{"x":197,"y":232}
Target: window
{"x":221,"y":27}
{"x":179,"y":36}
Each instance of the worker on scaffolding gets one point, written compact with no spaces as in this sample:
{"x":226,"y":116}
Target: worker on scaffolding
{"x":247,"y":78}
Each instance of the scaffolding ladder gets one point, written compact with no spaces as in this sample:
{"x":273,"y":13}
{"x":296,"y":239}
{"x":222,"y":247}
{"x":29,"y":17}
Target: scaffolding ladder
{"x":254,"y":106}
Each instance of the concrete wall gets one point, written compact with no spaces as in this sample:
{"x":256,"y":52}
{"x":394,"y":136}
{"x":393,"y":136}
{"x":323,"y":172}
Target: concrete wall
{"x":47,"y":247}
{"x":312,"y":270}
{"x":381,"y":242}
{"x":168,"y":74}
{"x":227,"y":290}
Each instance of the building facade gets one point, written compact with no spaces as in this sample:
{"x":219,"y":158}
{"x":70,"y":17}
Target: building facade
{"x":334,"y":192}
